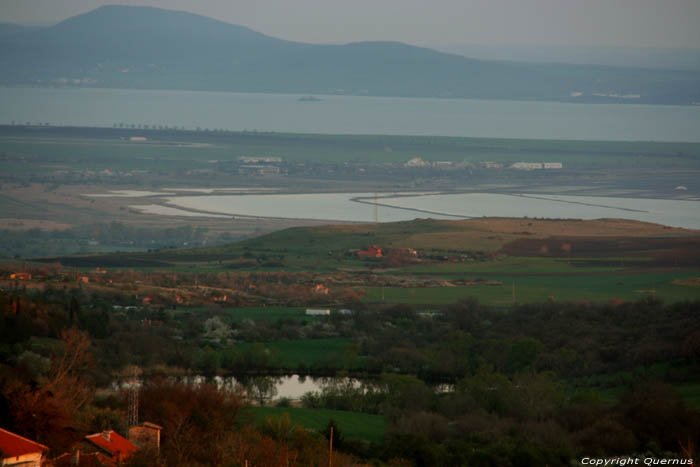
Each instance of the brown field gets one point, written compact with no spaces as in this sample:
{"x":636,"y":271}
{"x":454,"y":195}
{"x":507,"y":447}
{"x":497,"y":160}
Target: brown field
{"x":557,"y":246}
{"x":60,"y":207}
{"x":523,"y":237}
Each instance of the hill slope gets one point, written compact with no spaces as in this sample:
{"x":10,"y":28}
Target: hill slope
{"x":142,"y":47}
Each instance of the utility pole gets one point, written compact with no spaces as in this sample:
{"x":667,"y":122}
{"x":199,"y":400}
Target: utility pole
{"x":513,"y":292}
{"x":330,"y":449}
{"x":376,"y":209}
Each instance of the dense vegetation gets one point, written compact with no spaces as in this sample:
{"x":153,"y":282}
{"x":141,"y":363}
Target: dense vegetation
{"x":113,"y":236}
{"x":539,"y":384}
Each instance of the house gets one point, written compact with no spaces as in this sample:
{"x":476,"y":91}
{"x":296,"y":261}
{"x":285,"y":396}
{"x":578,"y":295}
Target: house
{"x":406,"y":252}
{"x":416,"y":162}
{"x":372,"y":252}
{"x":553,"y":165}
{"x":318,"y":312}
{"x":146,"y":435}
{"x":490,"y":165}
{"x":20,"y":451}
{"x":22,"y":276}
{"x":259,"y":160}
{"x":111,"y":443}
{"x":258,"y":170}
{"x":526,"y":165}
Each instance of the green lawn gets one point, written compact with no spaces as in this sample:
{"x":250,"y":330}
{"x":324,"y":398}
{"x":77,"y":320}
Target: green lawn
{"x":351,"y":424}
{"x":312,"y":352}
{"x":513,"y":264}
{"x":589,"y":287}
{"x":103,"y":149}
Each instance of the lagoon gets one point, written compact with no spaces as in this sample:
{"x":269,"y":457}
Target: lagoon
{"x":359,"y":207}
{"x":350,"y":114}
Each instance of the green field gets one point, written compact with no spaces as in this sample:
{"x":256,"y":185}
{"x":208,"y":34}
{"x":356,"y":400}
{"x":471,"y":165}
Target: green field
{"x":312,"y":352}
{"x":538,"y":288}
{"x":100,"y":148}
{"x":351,"y":424}
{"x":514,"y":264}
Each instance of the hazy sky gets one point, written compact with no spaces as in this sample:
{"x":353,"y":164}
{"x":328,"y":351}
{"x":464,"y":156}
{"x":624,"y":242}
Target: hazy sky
{"x":642,"y":23}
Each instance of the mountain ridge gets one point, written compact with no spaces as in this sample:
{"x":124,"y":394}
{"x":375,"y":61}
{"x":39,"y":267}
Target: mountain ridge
{"x":153,"y":48}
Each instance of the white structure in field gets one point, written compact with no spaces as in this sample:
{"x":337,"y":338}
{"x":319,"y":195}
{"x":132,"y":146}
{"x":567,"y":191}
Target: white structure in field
{"x":526,"y":165}
{"x":416,"y":162}
{"x":536,"y":165}
{"x":318,"y":312}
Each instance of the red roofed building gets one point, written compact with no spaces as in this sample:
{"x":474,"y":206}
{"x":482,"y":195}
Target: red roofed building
{"x":20,"y":451}
{"x":112,"y":443}
{"x":146,"y":435}
{"x":372,"y":252}
{"x":23,"y":276}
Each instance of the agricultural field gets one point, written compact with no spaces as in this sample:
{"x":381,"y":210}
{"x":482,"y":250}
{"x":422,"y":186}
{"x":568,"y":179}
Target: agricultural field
{"x":524,"y":288}
{"x":310,"y":353}
{"x":164,"y":149}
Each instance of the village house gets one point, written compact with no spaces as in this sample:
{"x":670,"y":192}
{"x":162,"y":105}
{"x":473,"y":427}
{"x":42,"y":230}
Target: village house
{"x":416,"y":162}
{"x":22,"y":276}
{"x":372,"y":252}
{"x":490,"y":165}
{"x":526,"y":165}
{"x":146,"y":436}
{"x":258,"y":170}
{"x":110,"y":443}
{"x":17,"y":450}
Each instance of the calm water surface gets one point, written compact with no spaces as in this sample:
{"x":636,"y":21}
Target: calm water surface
{"x":343,"y":207}
{"x":351,"y":114}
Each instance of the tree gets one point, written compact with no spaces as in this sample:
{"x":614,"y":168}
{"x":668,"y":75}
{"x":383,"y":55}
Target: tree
{"x":197,"y":420}
{"x":262,"y":388}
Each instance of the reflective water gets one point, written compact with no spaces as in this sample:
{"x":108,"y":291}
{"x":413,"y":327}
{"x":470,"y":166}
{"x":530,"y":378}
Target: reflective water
{"x":351,"y":114}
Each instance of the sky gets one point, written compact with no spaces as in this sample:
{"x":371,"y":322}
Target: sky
{"x":638,"y":23}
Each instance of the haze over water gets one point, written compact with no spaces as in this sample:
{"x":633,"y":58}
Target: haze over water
{"x":351,"y":114}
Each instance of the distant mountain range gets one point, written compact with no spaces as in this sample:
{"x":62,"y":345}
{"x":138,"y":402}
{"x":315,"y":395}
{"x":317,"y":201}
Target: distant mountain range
{"x":150,"y":48}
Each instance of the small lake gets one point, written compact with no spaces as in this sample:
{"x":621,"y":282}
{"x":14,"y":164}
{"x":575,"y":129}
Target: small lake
{"x":398,"y":207}
{"x":289,"y":386}
{"x":350,"y":114}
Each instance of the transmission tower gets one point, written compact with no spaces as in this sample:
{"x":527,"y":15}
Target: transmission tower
{"x":132,"y":382}
{"x":133,"y":404}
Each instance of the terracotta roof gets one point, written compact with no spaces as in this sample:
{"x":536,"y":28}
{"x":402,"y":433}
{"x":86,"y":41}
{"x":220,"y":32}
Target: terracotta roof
{"x":112,"y":442}
{"x":13,"y":445}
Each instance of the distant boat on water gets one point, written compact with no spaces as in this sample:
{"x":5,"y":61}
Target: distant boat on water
{"x":309,"y":99}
